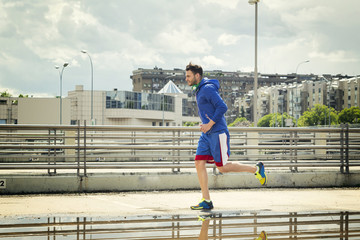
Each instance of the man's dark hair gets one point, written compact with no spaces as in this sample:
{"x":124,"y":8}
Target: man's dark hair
{"x":194,"y":68}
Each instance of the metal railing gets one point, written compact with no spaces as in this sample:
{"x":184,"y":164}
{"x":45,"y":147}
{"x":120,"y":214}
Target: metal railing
{"x":83,"y":148}
{"x":241,"y":225}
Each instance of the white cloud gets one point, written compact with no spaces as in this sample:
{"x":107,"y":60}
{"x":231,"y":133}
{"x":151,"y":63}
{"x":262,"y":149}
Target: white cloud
{"x":212,"y":62}
{"x":182,"y":40}
{"x":338,"y":56}
{"x":122,"y":36}
{"x":226,"y":39}
{"x":223,"y":3}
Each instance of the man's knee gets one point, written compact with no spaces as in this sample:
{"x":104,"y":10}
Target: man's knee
{"x":200,"y":163}
{"x":222,"y":169}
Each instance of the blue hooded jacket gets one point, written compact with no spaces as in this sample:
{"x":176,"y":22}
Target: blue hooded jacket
{"x":210,"y":104}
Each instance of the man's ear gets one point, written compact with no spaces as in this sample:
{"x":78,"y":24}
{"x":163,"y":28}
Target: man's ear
{"x":197,"y":76}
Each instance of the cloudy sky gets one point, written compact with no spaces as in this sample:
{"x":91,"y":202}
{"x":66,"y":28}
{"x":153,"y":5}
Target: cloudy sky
{"x":123,"y":35}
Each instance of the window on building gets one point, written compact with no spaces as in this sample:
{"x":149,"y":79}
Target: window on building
{"x":137,"y":100}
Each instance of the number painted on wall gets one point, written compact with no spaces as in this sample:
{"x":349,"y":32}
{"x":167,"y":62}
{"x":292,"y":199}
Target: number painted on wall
{"x":2,"y":183}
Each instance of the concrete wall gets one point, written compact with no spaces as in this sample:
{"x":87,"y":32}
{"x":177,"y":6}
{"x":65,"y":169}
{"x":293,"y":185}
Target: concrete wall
{"x":43,"y":111}
{"x":167,"y":181}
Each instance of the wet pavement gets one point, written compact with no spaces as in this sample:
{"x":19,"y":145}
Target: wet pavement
{"x":238,"y":214}
{"x":207,"y":225}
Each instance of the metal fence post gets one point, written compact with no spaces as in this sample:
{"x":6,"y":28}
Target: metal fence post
{"x":342,"y":148}
{"x":84,"y":147}
{"x":347,"y":170}
{"x":78,"y":148}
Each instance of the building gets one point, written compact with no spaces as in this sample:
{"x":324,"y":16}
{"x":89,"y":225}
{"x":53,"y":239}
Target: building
{"x":8,"y":110}
{"x":169,"y":108}
{"x":296,"y":98}
{"x":14,"y":110}
{"x":115,"y":107}
{"x":349,"y":89}
{"x":232,"y":84}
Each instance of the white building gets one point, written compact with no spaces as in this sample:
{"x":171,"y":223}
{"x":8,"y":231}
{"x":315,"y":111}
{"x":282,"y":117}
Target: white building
{"x":130,"y":108}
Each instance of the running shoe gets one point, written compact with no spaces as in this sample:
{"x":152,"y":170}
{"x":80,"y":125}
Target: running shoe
{"x":262,"y":236}
{"x":203,"y":205}
{"x":260,"y":173}
{"x":204,"y":217}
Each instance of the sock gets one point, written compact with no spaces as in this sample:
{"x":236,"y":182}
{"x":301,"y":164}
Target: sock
{"x":208,"y":201}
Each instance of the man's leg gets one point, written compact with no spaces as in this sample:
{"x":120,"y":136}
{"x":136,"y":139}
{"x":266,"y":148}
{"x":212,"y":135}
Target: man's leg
{"x":203,"y":178}
{"x":259,"y":170}
{"x":236,"y":167}
{"x":205,"y":203}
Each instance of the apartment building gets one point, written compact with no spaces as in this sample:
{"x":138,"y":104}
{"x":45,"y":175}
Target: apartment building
{"x":296,"y":98}
{"x":349,"y":92}
{"x":232,"y":84}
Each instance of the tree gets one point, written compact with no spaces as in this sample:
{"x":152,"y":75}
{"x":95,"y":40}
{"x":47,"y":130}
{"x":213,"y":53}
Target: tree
{"x":240,"y":122}
{"x":5,"y":94}
{"x":350,"y":115}
{"x":318,"y":115}
{"x":242,"y":111}
{"x":190,"y":124}
{"x":265,"y":120}
{"x":275,"y":120}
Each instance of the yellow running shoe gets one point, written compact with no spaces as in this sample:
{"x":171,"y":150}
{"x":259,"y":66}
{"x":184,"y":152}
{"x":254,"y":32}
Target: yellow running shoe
{"x":262,"y":236}
{"x":260,"y":173}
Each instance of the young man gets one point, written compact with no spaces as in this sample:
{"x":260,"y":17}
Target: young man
{"x":213,"y":145}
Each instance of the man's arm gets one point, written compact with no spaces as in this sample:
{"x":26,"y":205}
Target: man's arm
{"x":206,"y":127}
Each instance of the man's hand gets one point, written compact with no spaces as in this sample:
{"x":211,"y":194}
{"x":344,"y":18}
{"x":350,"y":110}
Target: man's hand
{"x":206,"y":127}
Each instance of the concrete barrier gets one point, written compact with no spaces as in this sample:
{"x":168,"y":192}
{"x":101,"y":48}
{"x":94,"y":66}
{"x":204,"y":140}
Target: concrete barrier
{"x":68,"y":183}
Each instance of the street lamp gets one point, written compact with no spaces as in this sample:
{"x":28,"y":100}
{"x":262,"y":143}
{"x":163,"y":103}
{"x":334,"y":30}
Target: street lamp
{"x":252,"y":2}
{"x":61,"y":73}
{"x":163,"y":97}
{"x":92,"y":87}
{"x":296,"y":76}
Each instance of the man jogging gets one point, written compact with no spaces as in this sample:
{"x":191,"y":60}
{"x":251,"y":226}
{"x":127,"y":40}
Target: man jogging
{"x":213,"y":145}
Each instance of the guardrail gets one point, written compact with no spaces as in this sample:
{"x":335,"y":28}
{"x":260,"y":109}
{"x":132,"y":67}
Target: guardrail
{"x":83,"y":148}
{"x":318,"y":225}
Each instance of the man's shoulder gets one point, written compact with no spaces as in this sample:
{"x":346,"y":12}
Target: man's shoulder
{"x":209,"y":88}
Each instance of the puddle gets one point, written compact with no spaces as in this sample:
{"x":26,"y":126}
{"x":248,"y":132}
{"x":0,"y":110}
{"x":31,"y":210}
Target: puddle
{"x":213,"y":225}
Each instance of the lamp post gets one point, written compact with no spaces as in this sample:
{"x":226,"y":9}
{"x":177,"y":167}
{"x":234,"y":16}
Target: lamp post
{"x":297,"y":67}
{"x":92,"y":87}
{"x":61,"y":74}
{"x":252,"y":2}
{"x":163,"y":97}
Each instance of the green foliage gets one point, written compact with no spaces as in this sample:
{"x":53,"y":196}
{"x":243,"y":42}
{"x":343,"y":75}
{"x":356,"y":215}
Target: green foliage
{"x":238,"y":121}
{"x":274,"y":120}
{"x":190,"y":124}
{"x":265,"y":120}
{"x":5,"y":94}
{"x":350,"y":115}
{"x":242,"y":111}
{"x":318,"y":115}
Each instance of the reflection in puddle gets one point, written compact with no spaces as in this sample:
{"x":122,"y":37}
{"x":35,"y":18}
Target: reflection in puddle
{"x":213,"y":225}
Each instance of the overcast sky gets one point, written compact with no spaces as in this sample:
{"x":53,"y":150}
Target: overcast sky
{"x":124,"y":35}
